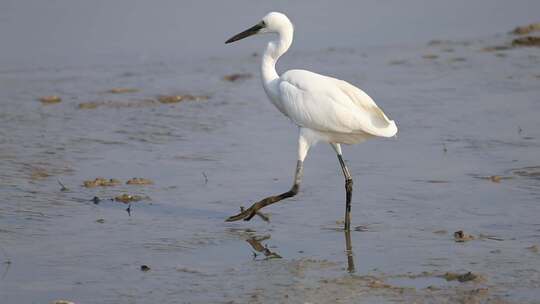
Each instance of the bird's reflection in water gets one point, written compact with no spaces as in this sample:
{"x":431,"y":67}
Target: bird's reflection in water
{"x":255,"y":243}
{"x":349,"y":252}
{"x":259,"y":248}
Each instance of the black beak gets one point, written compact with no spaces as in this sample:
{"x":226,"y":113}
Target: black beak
{"x":249,"y":32}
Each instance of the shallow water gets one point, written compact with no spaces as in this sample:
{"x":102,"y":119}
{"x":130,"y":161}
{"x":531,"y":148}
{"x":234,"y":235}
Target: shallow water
{"x":463,"y":116}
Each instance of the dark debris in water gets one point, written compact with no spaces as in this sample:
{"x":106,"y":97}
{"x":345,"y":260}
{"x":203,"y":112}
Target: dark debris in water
{"x":46,"y":100}
{"x":462,"y":277}
{"x":101,"y":182}
{"x":237,"y":76}
{"x":128,"y":198}
{"x":139,"y":181}
{"x":122,"y":90}
{"x":145,"y":268}
{"x":460,"y":236}
{"x":527,"y":41}
{"x":527,"y":29}
{"x":529,"y":172}
{"x":178,"y":98}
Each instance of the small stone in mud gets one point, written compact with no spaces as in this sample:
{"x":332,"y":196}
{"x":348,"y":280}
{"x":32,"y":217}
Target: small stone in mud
{"x":101,"y":221}
{"x":460,"y":236}
{"x":127,"y":198}
{"x":122,"y":90}
{"x":145,"y":268}
{"x":237,"y":76}
{"x":461,"y":277}
{"x":101,"y":182}
{"x":139,"y":181}
{"x":522,"y":30}
{"x":527,"y":41}
{"x":50,"y":99}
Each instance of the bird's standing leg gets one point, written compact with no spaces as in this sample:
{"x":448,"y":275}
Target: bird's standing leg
{"x":247,"y":214}
{"x":348,"y":186}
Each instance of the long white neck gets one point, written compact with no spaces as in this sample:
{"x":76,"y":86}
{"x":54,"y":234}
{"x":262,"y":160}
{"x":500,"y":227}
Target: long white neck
{"x":273,"y":51}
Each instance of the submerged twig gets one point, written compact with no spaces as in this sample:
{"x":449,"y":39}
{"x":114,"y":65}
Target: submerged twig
{"x":62,"y":187}
{"x":205,"y":178}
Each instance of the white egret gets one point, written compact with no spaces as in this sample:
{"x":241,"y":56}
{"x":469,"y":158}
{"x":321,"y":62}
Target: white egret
{"x":325,"y":109}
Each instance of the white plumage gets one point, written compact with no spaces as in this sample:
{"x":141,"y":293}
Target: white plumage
{"x":324,"y":108}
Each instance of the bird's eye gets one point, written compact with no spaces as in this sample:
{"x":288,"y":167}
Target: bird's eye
{"x":263,"y":24}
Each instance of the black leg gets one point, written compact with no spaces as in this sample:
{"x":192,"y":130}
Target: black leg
{"x":348,"y":192}
{"x":250,"y":212}
{"x":349,"y":252}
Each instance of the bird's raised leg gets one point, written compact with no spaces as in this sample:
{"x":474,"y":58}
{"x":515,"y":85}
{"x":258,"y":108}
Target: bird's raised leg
{"x":348,"y":186}
{"x":304,"y":143}
{"x":248,"y":213}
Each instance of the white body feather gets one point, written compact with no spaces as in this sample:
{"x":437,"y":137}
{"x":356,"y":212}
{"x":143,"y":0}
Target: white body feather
{"x":333,"y":109}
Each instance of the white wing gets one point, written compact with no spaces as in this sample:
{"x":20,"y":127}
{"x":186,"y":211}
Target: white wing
{"x":327,"y":104}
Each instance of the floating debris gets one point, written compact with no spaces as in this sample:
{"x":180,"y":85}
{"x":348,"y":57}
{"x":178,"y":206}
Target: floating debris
{"x":490,"y":237}
{"x":237,"y":76}
{"x":117,"y":104}
{"x":526,"y":41}
{"x":496,"y":48}
{"x":533,"y":248}
{"x":461,"y":237}
{"x":145,"y":268}
{"x":38,"y":173}
{"x":50,"y":99}
{"x":205,"y":178}
{"x":139,"y":181}
{"x":178,"y":98}
{"x":397,"y":62}
{"x":494,"y":178}
{"x":62,"y":187}
{"x":101,"y":182}
{"x":95,"y":200}
{"x":127,"y":198}
{"x":458,"y":59}
{"x":530,"y":172}
{"x":461,"y":277}
{"x":122,"y":90}
{"x":526,"y":29}
{"x":361,"y":228}
{"x":430,"y":56}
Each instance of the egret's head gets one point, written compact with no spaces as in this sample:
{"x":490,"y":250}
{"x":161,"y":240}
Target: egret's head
{"x":273,"y":22}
